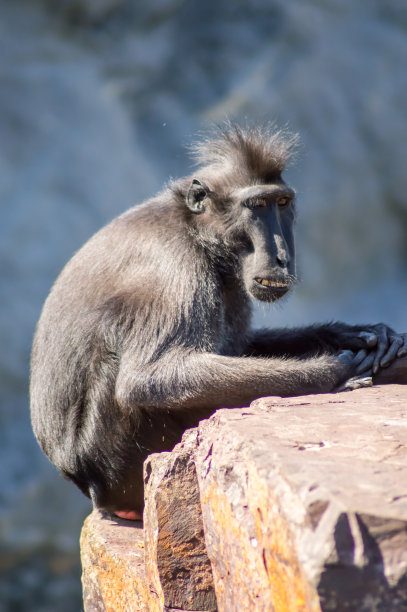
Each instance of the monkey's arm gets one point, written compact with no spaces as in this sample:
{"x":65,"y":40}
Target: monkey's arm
{"x":183,"y":380}
{"x":330,"y":338}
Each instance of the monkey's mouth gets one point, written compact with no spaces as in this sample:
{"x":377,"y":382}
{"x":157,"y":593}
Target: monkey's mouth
{"x":267,"y":290}
{"x":279,"y":285}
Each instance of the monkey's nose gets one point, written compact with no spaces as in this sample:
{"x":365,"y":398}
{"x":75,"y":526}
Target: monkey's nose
{"x":282,"y":260}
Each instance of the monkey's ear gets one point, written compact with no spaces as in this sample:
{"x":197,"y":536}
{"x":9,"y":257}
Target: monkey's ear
{"x":196,"y":196}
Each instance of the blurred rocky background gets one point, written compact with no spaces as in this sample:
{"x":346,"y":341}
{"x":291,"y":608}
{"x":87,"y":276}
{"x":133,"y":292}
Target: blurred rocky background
{"x":98,"y":99}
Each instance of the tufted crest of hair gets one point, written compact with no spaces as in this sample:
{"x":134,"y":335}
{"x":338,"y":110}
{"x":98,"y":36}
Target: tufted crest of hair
{"x":258,"y":152}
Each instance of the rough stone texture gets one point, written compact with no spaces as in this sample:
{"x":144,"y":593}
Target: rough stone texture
{"x":301,"y":504}
{"x":113,"y":569}
{"x":178,"y":568}
{"x":305,"y":502}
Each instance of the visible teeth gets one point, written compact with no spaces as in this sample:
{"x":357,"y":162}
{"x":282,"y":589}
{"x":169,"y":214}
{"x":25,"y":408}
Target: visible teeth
{"x":269,"y":283}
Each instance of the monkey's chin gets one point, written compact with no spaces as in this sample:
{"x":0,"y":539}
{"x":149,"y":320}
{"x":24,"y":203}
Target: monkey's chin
{"x":270,"y":293}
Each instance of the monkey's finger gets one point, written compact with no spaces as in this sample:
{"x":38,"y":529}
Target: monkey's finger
{"x":365,"y":364}
{"x":402,"y":352}
{"x":346,"y":357}
{"x":362,"y":361}
{"x":359,"y":357}
{"x":391,"y":354}
{"x":382,"y":344}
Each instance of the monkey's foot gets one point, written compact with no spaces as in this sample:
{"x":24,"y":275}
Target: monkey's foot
{"x":129,"y":515}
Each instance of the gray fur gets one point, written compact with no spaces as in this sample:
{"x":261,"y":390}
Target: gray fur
{"x":148,"y":327}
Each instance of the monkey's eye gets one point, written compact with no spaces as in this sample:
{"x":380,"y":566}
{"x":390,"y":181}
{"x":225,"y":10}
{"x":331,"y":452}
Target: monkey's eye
{"x":283,"y":200}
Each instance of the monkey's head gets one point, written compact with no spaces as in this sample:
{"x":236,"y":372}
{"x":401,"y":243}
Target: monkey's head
{"x":240,"y":200}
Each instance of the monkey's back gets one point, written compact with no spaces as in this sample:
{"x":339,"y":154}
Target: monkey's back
{"x":75,"y":358}
{"x":126,"y":285}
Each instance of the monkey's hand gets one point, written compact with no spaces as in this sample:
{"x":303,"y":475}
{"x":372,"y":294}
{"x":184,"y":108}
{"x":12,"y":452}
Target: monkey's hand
{"x":382,"y":341}
{"x":360,"y":367}
{"x":386,"y":345}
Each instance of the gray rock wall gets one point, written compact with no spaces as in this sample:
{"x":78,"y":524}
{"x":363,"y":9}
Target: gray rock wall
{"x":98,"y":99}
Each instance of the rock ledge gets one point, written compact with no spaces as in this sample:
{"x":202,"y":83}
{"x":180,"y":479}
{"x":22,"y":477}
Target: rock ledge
{"x":292,"y":504}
